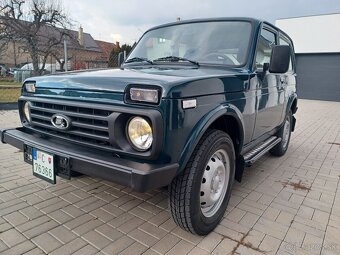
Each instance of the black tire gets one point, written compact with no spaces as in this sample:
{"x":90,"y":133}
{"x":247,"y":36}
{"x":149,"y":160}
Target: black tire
{"x":185,"y":190}
{"x":281,"y":148}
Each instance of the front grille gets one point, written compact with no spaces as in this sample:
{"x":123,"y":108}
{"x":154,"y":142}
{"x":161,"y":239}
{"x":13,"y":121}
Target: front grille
{"x":88,"y":125}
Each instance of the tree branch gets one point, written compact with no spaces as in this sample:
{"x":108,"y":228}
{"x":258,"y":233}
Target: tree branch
{"x":38,"y":24}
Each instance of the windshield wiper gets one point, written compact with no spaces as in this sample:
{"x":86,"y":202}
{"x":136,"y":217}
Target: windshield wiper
{"x":138,"y":59}
{"x":176,"y":59}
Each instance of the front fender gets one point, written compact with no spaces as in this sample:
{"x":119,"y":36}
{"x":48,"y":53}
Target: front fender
{"x":203,"y":124}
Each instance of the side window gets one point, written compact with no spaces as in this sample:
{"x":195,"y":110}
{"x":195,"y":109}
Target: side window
{"x":266,"y":42}
{"x":284,"y":42}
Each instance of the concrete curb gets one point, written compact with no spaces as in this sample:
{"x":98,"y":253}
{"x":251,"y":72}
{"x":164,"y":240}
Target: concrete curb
{"x":8,"y":106}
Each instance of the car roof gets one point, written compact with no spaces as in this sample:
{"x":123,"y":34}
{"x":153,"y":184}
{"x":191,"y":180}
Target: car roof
{"x":248,"y":19}
{"x":254,"y":21}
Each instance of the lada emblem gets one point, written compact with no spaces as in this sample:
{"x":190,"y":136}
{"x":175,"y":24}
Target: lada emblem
{"x":60,"y":121}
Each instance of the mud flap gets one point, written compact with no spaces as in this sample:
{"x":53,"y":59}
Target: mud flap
{"x":293,"y":123}
{"x":239,"y":168}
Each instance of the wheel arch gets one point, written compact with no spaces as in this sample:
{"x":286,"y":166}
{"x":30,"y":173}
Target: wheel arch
{"x":226,"y":118}
{"x":292,"y":104}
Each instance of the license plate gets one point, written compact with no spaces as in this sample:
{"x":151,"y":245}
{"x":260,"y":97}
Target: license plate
{"x":43,"y":165}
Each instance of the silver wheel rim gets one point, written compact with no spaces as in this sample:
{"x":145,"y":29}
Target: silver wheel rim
{"x":286,"y":132}
{"x":214,"y":183}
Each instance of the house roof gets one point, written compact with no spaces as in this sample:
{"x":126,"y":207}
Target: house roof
{"x":106,"y":48}
{"x":89,"y":43}
{"x":48,"y":33}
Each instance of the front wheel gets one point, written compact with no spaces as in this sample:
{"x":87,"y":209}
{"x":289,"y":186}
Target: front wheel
{"x":199,"y":196}
{"x":284,"y":133}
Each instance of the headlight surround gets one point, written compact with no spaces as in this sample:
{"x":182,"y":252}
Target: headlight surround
{"x":144,"y":95}
{"x":30,"y":87}
{"x":148,"y":94}
{"x":26,"y":111}
{"x":139,"y":133}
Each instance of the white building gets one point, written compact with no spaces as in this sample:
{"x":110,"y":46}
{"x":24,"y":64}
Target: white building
{"x":317,"y":46}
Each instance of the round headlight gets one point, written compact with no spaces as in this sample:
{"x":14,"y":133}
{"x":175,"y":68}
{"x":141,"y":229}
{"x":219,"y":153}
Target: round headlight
{"x":140,"y":133}
{"x":26,"y":111}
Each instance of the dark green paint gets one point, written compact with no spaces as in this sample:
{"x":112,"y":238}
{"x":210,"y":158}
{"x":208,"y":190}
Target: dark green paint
{"x":257,"y":105}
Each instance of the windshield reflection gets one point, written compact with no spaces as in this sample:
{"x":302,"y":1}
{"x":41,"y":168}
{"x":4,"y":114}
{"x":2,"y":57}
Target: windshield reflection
{"x":211,"y":42}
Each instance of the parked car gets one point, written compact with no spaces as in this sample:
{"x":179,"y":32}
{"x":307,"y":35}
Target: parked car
{"x":48,"y":68}
{"x":192,"y":105}
{"x":12,"y":70}
{"x":3,"y":70}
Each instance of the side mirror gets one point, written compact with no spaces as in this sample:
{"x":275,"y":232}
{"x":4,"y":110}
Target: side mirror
{"x":280,"y":58}
{"x":120,"y":58}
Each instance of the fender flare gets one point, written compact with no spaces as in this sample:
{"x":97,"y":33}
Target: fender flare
{"x":291,"y":99}
{"x":202,"y":126}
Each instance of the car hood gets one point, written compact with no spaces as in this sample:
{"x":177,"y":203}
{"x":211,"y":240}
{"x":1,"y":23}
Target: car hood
{"x":175,"y":82}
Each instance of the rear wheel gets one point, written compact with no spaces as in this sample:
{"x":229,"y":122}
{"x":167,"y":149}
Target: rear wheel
{"x":284,"y":133}
{"x":199,"y":196}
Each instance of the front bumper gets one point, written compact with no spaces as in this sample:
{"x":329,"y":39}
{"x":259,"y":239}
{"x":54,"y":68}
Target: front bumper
{"x":139,"y":176}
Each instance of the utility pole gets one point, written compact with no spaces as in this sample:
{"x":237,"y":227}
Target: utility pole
{"x":15,"y":53}
{"x":65,"y":57}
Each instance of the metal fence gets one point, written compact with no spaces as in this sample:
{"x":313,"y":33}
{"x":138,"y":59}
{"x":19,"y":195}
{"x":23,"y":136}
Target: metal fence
{"x":21,"y":75}
{"x":113,"y":61}
{"x":10,"y":93}
{"x":10,"y":89}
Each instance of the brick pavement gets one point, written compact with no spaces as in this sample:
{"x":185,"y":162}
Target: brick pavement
{"x":287,"y":205}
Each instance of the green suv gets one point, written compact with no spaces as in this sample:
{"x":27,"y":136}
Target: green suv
{"x":193,"y":104}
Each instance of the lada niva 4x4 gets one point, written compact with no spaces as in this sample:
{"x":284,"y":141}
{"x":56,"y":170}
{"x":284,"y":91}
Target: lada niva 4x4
{"x":192,"y":105}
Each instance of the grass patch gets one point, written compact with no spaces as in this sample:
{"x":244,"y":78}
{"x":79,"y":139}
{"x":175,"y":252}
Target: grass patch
{"x":9,"y":94}
{"x":8,"y":81}
{"x":4,"y":83}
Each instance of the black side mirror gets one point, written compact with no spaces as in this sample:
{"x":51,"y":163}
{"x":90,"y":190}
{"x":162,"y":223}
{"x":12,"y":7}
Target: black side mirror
{"x":280,"y":58}
{"x":120,"y":58}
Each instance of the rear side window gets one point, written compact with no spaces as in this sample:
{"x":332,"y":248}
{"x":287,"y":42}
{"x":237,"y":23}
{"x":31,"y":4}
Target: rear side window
{"x":265,"y":44}
{"x":283,"y":41}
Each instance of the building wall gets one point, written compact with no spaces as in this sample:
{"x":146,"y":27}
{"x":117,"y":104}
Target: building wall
{"x":78,"y":58}
{"x":14,"y":55}
{"x":318,"y":76}
{"x":317,"y":46}
{"x":313,"y":34}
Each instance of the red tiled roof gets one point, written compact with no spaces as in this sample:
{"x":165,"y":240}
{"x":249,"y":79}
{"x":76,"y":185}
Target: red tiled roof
{"x":106,"y":48}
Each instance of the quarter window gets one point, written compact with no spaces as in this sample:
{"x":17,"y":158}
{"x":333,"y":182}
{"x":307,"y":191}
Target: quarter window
{"x":266,"y":42}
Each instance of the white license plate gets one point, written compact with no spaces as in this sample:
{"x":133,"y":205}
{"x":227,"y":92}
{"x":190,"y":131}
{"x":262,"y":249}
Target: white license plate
{"x":43,"y":165}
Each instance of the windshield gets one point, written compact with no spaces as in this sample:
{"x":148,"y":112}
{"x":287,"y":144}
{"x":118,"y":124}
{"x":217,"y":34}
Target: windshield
{"x":213,"y":42}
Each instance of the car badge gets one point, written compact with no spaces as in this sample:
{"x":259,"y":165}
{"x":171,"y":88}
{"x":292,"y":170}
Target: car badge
{"x":61,"y":121}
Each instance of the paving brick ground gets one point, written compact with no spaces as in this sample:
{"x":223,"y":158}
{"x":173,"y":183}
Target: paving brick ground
{"x":288,"y":205}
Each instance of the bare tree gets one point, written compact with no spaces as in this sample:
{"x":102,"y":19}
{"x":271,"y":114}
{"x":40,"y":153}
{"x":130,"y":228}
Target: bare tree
{"x":3,"y":47}
{"x":40,"y":25}
{"x":4,"y":40}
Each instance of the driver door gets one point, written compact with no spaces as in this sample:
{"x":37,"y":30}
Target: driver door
{"x":269,"y":92}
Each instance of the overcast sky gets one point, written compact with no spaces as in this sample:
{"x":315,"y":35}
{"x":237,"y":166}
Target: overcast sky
{"x":126,"y":20}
